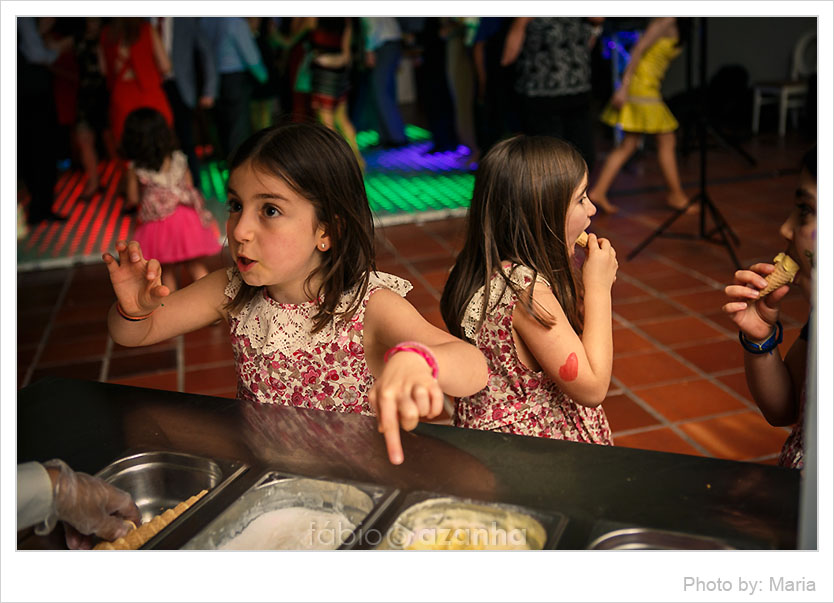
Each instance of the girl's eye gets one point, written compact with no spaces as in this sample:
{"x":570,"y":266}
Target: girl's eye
{"x":270,"y":211}
{"x":805,"y":210}
{"x":233,"y":205}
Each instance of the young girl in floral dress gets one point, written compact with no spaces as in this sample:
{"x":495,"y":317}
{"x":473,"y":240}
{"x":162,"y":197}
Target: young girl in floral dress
{"x":174,"y":225}
{"x":312,"y":323}
{"x":514,"y":293}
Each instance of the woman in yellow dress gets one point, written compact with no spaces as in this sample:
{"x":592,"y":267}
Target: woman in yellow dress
{"x":638,"y":108}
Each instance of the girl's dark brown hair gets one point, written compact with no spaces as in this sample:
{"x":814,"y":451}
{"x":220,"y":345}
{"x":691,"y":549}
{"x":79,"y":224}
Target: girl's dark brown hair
{"x":146,"y":139}
{"x":523,"y":190}
{"x":318,"y":164}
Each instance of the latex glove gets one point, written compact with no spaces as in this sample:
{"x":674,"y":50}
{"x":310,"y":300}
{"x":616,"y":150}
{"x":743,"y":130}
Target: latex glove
{"x":89,"y":504}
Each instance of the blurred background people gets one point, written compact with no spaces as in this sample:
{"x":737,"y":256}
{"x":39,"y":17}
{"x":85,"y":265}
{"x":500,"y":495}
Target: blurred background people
{"x":186,"y":86}
{"x":134,"y":62}
{"x":37,"y":126}
{"x":239,"y":65}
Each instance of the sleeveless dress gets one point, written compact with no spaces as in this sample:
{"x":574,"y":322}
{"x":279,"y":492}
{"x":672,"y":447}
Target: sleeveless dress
{"x":280,"y":361}
{"x":516,"y":399}
{"x":174,"y":225}
{"x":144,"y":89}
{"x":645,"y":112}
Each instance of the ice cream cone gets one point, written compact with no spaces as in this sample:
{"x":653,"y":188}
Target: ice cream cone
{"x":784,"y":273}
{"x":582,"y":239}
{"x":137,"y":537}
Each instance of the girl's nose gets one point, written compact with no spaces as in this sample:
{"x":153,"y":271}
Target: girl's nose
{"x":787,"y":228}
{"x":242,"y":229}
{"x":592,"y":208}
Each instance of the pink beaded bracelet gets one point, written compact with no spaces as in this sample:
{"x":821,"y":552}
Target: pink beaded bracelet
{"x":417,"y":348}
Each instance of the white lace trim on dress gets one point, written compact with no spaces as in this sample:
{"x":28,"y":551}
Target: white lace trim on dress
{"x":273,"y":327}
{"x":519,"y":275}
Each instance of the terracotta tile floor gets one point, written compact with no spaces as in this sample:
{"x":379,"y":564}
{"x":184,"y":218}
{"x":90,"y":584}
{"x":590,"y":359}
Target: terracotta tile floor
{"x":678,"y":381}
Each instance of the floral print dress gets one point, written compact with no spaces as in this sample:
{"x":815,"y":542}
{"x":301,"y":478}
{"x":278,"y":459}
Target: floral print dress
{"x":279,"y":360}
{"x":516,"y":399}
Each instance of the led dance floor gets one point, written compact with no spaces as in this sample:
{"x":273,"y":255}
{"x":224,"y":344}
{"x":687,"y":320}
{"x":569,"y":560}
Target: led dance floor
{"x":406,"y":184}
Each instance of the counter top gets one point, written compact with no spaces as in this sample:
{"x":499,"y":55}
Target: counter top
{"x":90,"y":424}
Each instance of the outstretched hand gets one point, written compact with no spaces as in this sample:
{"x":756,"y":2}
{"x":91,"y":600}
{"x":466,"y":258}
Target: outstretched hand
{"x":754,"y":317}
{"x":136,"y":281}
{"x":405,"y":392}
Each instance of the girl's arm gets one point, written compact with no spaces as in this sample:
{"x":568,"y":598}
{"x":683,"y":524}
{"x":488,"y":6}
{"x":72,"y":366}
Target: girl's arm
{"x":404,"y":389}
{"x":137,"y":283}
{"x":581,"y":367}
{"x":774,"y":383}
{"x":658,"y":27}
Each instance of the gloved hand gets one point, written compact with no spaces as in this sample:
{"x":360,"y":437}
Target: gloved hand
{"x":89,"y":504}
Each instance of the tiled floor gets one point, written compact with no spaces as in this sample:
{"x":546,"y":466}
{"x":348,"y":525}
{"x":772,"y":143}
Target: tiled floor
{"x":678,"y":380}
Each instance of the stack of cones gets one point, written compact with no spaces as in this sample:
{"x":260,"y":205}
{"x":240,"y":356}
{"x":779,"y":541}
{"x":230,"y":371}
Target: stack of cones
{"x":784,"y":273}
{"x":134,"y":539}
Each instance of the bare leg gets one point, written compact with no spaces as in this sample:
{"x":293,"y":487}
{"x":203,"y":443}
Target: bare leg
{"x":169,"y":276}
{"x":612,"y":166}
{"x":345,"y":126}
{"x":86,"y":140}
{"x":675,"y":198}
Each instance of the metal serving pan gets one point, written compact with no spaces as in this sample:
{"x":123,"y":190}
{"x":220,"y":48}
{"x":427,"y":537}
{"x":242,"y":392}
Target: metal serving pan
{"x":653,"y":539}
{"x":433,"y":521}
{"x":289,"y":512}
{"x":160,"y":480}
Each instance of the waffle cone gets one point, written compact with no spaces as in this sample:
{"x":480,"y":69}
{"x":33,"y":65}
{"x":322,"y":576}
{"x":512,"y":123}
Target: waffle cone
{"x":784,"y":273}
{"x":134,"y":539}
{"x":582,"y":239}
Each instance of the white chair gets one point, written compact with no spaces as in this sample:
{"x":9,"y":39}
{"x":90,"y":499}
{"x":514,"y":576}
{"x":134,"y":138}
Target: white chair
{"x":788,"y":94}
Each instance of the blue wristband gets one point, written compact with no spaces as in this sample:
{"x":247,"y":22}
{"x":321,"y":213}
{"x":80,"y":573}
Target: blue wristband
{"x":767,"y":345}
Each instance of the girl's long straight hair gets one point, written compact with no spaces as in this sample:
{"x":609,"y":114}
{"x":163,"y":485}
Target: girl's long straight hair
{"x":523,"y":190}
{"x":319,"y":165}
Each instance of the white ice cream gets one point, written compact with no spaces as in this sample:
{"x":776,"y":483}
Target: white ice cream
{"x":293,"y":528}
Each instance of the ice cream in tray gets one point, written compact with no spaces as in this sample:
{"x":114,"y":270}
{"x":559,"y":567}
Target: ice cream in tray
{"x":283,"y":512}
{"x":437,"y":522}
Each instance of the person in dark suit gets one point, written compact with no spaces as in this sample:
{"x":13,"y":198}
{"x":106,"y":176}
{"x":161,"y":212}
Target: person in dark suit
{"x":37,"y":122}
{"x":187,"y":48}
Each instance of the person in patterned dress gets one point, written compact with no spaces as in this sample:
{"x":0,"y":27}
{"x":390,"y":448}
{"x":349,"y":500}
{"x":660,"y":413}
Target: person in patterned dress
{"x":514,"y":293}
{"x":779,"y":385}
{"x":312,"y":323}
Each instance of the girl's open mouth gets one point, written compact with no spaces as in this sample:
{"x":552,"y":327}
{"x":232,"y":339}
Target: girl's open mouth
{"x":244,"y":263}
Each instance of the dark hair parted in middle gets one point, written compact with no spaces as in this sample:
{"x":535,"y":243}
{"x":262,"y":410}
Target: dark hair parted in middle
{"x":523,"y":190}
{"x":318,"y":164}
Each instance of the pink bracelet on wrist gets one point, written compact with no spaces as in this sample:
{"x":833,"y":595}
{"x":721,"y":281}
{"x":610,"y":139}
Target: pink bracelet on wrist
{"x":417,"y":348}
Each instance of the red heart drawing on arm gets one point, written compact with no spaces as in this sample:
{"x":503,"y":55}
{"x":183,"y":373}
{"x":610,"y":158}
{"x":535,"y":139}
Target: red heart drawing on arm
{"x":570,"y":369}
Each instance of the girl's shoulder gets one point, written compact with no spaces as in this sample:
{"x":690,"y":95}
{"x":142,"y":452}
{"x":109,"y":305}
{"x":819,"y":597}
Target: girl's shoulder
{"x":376,"y":281}
{"x":500,"y":293}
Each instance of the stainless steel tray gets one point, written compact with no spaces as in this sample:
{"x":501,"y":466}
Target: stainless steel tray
{"x":360,"y":503}
{"x":653,"y":539}
{"x":159,"y":480}
{"x":428,"y":520}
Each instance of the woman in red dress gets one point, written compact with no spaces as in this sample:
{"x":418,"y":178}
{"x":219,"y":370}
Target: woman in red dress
{"x":134,"y":62}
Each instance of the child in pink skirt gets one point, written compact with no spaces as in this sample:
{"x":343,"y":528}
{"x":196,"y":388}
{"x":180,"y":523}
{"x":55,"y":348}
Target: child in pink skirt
{"x":174,"y":225}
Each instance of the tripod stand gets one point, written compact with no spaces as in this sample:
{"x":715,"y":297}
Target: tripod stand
{"x":686,"y":127}
{"x":725,"y":234}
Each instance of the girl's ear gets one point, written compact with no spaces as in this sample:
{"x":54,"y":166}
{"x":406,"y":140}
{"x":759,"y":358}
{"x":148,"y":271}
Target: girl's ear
{"x":323,"y":242}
